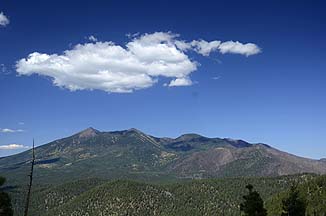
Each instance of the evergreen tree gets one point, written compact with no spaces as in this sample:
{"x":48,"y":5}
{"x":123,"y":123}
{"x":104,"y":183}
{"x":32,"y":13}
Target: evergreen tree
{"x":293,"y":205}
{"x":253,"y":204}
{"x":5,"y":202}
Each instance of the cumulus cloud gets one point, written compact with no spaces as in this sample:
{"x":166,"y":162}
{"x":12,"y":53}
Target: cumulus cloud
{"x":204,"y":47}
{"x":184,"y":81}
{"x":239,"y":48}
{"x":12,"y":147}
{"x":8,"y":130}
{"x":3,"y":19}
{"x":137,"y":65}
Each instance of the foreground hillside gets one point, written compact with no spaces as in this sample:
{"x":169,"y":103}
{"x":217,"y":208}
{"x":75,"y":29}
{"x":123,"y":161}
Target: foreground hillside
{"x":132,"y":154}
{"x":123,"y":197}
{"x":313,"y":192}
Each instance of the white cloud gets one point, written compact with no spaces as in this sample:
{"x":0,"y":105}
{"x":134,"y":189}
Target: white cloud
{"x":204,"y":47}
{"x":239,"y":48}
{"x":7,"y":130}
{"x":184,"y":81}
{"x":3,"y":19}
{"x":12,"y":147}
{"x":92,"y":38}
{"x":114,"y":68}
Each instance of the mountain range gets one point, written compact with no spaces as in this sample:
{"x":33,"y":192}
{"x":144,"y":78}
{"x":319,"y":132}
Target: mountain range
{"x":132,"y":154}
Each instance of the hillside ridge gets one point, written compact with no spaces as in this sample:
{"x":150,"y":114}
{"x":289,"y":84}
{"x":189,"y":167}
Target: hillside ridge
{"x":132,"y":154}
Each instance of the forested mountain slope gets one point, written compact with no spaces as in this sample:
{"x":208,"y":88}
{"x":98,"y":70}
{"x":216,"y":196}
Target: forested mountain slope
{"x":132,"y":154}
{"x":124,"y":197}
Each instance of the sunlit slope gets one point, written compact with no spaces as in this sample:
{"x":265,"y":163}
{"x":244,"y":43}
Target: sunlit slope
{"x":132,"y":154}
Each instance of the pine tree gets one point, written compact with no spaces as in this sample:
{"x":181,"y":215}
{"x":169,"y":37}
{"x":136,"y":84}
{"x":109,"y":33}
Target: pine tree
{"x":253,"y":204}
{"x":5,"y":201}
{"x":293,"y":205}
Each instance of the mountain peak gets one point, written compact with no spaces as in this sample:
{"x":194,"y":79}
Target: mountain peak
{"x":134,"y":130}
{"x":88,"y":132}
{"x":188,"y":156}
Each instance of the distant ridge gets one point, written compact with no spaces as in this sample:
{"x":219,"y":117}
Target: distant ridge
{"x":132,"y":154}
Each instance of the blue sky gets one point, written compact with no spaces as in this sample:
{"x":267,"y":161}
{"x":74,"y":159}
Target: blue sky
{"x":271,"y":92}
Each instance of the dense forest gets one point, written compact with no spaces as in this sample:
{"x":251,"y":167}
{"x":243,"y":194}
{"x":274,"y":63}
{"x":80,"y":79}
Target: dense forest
{"x":312,"y":192}
{"x":197,"y":197}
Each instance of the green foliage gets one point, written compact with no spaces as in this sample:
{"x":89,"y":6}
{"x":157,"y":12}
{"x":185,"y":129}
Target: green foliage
{"x":134,"y":155}
{"x":196,"y":197}
{"x":253,"y":204}
{"x":5,"y":202}
{"x":293,"y":205}
{"x":312,"y":192}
